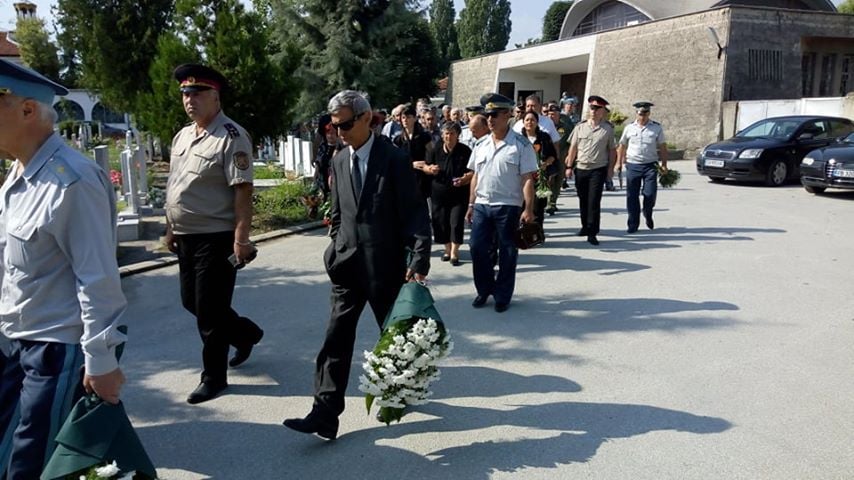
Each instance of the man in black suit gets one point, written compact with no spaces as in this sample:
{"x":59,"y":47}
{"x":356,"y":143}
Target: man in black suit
{"x":380,"y":239}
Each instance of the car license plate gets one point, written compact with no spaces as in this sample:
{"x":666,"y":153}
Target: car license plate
{"x":843,"y":173}
{"x":714,"y":163}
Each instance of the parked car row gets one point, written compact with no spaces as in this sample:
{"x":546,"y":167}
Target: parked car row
{"x":819,"y":150}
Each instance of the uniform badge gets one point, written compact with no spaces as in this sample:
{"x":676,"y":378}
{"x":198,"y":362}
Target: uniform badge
{"x":232,"y":130}
{"x":241,"y":160}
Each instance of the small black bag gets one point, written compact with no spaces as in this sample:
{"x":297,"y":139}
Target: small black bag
{"x":529,"y":235}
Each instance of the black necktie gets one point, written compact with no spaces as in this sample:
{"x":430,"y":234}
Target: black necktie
{"x":356,"y":173}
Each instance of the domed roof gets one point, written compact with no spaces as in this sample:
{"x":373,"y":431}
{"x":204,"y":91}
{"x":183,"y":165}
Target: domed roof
{"x":657,"y":9}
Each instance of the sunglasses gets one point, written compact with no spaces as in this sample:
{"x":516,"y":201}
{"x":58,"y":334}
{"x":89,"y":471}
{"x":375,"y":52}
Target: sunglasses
{"x":348,"y":125}
{"x":494,"y":114}
{"x":596,"y":107}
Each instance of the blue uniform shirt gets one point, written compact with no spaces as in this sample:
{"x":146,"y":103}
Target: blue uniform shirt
{"x":642,"y":142}
{"x":500,"y":167}
{"x":60,"y":279}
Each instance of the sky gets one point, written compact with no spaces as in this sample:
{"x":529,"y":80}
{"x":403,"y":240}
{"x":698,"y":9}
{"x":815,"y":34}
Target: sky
{"x":527,"y":16}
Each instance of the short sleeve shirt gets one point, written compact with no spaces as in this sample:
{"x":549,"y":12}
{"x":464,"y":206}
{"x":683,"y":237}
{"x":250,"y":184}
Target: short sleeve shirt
{"x":545,"y":123}
{"x":642,"y":142}
{"x":203,"y":169}
{"x":594,"y":145}
{"x":499,"y":168}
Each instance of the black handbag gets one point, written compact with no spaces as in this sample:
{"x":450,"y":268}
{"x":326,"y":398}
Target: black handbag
{"x":529,"y":235}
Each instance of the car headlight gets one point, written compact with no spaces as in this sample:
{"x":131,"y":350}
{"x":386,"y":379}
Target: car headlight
{"x":807,"y":161}
{"x":751,"y":153}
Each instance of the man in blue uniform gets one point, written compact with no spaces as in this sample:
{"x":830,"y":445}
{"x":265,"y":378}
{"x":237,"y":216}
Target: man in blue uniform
{"x":503,"y":164}
{"x":641,"y":147}
{"x":61,"y":299}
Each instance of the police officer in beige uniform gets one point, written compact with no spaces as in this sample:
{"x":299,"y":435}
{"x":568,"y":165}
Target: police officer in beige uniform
{"x":209,"y":214}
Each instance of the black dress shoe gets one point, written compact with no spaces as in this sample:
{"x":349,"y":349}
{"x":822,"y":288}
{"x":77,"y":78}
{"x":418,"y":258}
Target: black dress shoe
{"x":501,"y":307}
{"x":445,"y":258}
{"x":206,"y":391}
{"x":649,"y":223}
{"x":632,"y":230}
{"x":592,"y":240}
{"x":314,"y":423}
{"x":581,"y":233}
{"x":242,"y":353}
{"x":479,"y":301}
{"x":455,"y":262}
{"x":551,"y":211}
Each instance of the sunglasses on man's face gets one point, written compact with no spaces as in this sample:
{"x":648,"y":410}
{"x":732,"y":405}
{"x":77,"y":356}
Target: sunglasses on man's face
{"x":494,"y":114}
{"x":348,"y":125}
{"x":595,"y":107}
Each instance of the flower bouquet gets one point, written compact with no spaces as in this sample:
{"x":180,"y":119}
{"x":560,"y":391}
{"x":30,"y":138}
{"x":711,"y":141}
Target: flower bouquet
{"x":400,"y":369}
{"x":668,"y":178}
{"x":109,"y":471}
{"x":543,"y":190}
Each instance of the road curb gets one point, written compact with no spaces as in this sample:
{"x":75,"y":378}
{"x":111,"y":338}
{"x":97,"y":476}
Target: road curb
{"x":148,"y":265}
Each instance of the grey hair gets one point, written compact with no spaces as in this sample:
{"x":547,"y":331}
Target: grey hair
{"x":47,"y":114}
{"x":457,"y":110}
{"x":452,"y":126}
{"x":351,"y":99}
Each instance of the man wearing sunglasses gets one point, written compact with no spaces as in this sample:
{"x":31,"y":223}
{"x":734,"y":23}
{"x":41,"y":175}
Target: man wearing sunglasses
{"x":62,"y":300}
{"x":592,"y":157}
{"x":380,"y":239}
{"x":503,"y":164}
{"x":641,"y":147}
{"x":209,"y":214}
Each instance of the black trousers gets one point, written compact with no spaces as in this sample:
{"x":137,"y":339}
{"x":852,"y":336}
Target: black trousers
{"x":335,"y":357}
{"x":207,"y":285}
{"x":588,"y":185}
{"x":448,"y":215}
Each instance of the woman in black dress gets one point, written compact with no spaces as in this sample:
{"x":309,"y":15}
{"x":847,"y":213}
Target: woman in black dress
{"x":546,"y":156}
{"x":447,"y":162}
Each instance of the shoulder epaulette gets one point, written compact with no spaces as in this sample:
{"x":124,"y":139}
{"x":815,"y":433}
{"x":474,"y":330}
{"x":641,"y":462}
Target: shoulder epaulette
{"x":233,"y":132}
{"x":63,"y":171}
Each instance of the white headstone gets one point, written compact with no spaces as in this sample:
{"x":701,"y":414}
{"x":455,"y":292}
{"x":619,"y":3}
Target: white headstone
{"x":126,"y":172}
{"x":132,"y":181}
{"x":283,"y":145}
{"x":307,"y":169}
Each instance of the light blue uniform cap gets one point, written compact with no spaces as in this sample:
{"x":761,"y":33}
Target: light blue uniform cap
{"x":23,"y":82}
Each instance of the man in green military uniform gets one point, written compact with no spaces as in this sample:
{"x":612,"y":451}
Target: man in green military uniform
{"x":209,"y":214}
{"x":564,"y":126}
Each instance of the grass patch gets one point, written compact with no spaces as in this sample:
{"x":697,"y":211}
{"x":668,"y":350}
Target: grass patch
{"x":280,"y":206}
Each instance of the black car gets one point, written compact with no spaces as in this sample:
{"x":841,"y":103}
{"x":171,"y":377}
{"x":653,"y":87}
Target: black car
{"x":830,"y":167}
{"x":770,"y":150}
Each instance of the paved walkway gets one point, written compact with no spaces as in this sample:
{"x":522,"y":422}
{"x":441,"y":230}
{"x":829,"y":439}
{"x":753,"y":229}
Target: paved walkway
{"x":716,"y":346}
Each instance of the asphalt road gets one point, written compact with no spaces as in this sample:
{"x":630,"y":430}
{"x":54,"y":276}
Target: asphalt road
{"x":716,"y":346}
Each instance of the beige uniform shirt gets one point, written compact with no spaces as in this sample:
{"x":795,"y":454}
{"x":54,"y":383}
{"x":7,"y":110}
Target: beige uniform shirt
{"x":594,"y":145}
{"x":203,"y":169}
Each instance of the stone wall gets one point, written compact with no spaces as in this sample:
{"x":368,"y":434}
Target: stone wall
{"x":470,"y":79}
{"x":786,"y":32}
{"x":672,"y":63}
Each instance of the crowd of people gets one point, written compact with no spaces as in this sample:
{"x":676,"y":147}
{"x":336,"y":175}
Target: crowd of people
{"x":492,"y":166}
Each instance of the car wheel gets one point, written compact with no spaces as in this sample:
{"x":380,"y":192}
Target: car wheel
{"x":815,"y":190}
{"x":717,"y":179}
{"x":777,"y":174}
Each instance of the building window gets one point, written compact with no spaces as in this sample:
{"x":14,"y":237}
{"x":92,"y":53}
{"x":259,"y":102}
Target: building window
{"x":845,"y":83}
{"x":828,"y":67}
{"x":608,"y":16}
{"x":765,"y":65}
{"x":807,"y":73}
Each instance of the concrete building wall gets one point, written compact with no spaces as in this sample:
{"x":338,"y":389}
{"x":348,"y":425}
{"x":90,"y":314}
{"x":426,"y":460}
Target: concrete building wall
{"x":782,"y":31}
{"x":671,"y":63}
{"x":472,"y":78}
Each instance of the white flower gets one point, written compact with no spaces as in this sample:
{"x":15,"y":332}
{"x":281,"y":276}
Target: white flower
{"x":107,"y":471}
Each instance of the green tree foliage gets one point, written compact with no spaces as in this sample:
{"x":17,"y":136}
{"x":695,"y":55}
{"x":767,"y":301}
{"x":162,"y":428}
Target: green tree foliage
{"x":846,"y":7}
{"x":114,"y":42}
{"x":37,"y":51}
{"x":484,"y":27}
{"x":381,"y":47}
{"x":553,"y":20}
{"x":444,"y":32}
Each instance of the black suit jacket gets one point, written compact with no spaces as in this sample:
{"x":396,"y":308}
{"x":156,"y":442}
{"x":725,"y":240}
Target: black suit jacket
{"x":372,"y":237}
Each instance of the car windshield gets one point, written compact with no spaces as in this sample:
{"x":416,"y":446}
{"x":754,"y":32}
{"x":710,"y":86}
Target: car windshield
{"x":771,"y":128}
